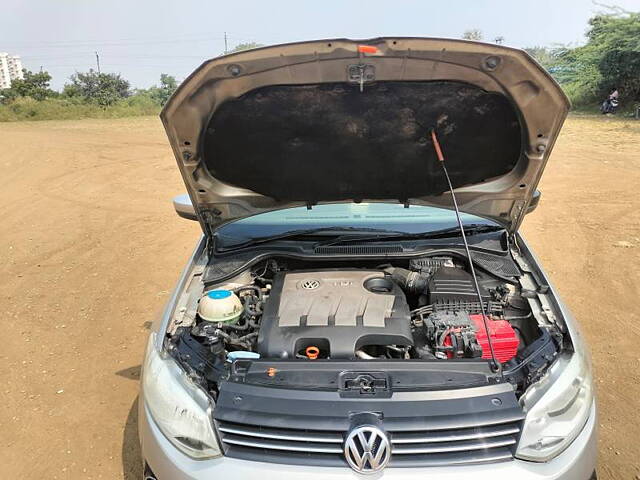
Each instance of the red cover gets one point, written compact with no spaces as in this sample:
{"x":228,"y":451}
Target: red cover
{"x":503,"y":338}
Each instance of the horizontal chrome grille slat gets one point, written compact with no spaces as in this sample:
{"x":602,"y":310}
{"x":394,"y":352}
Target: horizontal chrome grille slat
{"x":453,"y":447}
{"x":275,"y":434}
{"x":280,"y":445}
{"x":483,"y":442}
{"x":477,"y":424}
{"x":439,"y":460}
{"x":434,"y":436}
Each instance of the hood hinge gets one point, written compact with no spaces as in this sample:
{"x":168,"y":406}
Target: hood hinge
{"x":210,"y":219}
{"x":515,"y":217}
{"x":211,"y":245}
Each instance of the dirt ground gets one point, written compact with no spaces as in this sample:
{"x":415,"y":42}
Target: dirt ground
{"x":90,"y":248}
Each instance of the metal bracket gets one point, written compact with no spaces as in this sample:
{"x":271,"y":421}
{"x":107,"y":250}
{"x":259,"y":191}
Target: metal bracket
{"x":355,"y":384}
{"x":361,"y":73}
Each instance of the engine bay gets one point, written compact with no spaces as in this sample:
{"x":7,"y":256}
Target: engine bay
{"x":418,"y":310}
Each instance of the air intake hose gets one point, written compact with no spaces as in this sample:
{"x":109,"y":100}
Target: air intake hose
{"x":411,"y":282}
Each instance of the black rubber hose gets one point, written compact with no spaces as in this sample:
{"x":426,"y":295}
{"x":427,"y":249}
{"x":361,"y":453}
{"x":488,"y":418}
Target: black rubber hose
{"x":236,"y":341}
{"x":254,"y":323}
{"x":248,"y":305}
{"x":411,"y":282}
{"x":236,"y":327}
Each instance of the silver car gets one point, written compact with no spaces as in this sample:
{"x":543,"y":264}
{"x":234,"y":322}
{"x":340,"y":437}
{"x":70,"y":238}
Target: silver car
{"x":360,"y":301}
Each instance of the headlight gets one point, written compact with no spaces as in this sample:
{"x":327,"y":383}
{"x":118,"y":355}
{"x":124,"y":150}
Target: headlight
{"x":557,"y":407}
{"x":178,"y":406}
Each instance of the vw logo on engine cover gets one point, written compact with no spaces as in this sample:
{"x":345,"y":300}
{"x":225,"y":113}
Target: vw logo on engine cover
{"x":310,"y":284}
{"x":367,"y":449}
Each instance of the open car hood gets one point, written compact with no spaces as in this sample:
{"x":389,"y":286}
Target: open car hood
{"x":348,"y":121}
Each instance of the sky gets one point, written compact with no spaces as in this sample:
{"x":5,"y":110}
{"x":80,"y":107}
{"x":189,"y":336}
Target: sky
{"x":140,"y":39}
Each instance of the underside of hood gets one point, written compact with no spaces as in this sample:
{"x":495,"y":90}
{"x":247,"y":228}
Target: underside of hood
{"x":333,"y":121}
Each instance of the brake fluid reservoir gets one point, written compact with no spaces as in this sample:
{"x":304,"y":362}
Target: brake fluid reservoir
{"x":220,"y":306}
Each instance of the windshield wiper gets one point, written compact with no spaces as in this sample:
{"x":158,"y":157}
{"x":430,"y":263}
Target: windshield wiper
{"x":470,"y":229}
{"x":340,"y":232}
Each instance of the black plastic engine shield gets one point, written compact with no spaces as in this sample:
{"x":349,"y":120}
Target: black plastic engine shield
{"x":328,"y":410}
{"x":402,"y":375}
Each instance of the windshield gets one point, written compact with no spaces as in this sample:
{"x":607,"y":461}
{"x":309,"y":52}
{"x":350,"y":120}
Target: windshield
{"x":384,"y":216}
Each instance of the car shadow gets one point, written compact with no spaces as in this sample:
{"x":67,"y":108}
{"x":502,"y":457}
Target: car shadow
{"x":132,"y":373}
{"x":131,"y":455}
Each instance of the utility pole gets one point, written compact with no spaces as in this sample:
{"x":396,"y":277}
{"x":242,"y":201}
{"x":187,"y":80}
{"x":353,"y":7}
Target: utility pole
{"x":98,"y":62}
{"x":225,"y":43}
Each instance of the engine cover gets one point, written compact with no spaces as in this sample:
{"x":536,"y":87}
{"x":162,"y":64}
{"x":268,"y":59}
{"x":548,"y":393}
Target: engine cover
{"x":338,"y":312}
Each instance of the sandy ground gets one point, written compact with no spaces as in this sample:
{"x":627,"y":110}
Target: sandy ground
{"x":90,"y":248}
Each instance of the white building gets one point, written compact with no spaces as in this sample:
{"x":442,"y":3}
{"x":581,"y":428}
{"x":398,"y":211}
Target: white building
{"x":10,"y":69}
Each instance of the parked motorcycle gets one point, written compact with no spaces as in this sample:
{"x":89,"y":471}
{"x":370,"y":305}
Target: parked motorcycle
{"x":610,"y":105}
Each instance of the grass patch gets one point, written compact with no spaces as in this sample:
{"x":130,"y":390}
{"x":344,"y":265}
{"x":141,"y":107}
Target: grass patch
{"x":26,"y":108}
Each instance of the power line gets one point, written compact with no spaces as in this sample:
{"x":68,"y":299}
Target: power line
{"x":133,"y":66}
{"x":146,"y":38}
{"x":125,"y":42}
{"x":52,"y":45}
{"x":113,"y":55}
{"x":153,"y":38}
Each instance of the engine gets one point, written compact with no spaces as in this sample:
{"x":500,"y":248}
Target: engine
{"x":333,"y":314}
{"x":429,"y":311}
{"x":283,"y":312}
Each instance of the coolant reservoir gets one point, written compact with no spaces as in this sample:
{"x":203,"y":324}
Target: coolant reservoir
{"x":220,"y":306}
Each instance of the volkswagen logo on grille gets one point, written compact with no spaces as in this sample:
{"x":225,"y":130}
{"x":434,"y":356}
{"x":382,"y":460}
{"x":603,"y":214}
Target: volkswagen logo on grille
{"x":310,"y":284}
{"x":367,"y":449}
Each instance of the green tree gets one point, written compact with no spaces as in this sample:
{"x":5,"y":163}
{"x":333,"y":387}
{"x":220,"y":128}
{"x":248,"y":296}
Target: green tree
{"x":473,"y":34}
{"x":160,"y":94}
{"x":245,"y":46}
{"x":105,"y":89}
{"x":545,"y":56}
{"x":609,"y":59}
{"x":621,"y":69}
{"x":34,"y":85}
{"x":168,"y":85}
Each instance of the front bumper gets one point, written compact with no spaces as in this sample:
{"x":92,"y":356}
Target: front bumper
{"x":576,"y":463}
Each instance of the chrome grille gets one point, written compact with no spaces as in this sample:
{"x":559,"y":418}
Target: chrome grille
{"x":436,"y":447}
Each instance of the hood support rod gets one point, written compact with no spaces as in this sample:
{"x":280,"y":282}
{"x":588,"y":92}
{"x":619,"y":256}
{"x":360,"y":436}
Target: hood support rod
{"x":496,"y":366}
